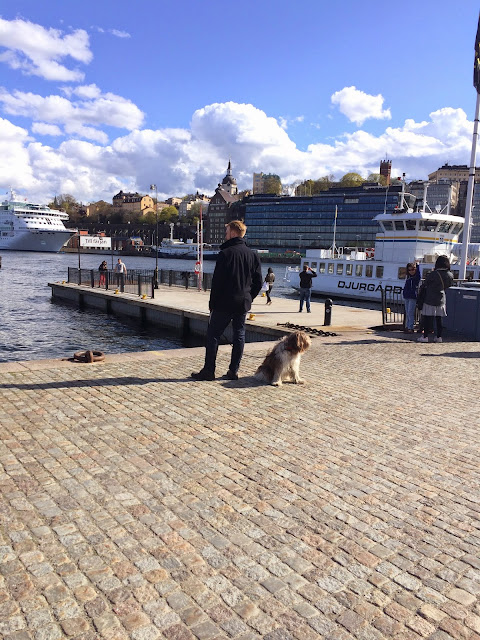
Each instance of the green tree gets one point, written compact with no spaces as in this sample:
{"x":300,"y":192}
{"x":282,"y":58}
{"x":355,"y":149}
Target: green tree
{"x":272,"y":184}
{"x":149,"y":217}
{"x":351,"y":180}
{"x":168,"y":214}
{"x":376,"y":177}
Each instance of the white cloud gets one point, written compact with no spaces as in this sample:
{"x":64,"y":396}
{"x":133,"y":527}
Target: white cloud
{"x":358,"y":106}
{"x":120,"y":34}
{"x":102,"y":109}
{"x":44,"y":129}
{"x":35,"y":50}
{"x":180,"y":161}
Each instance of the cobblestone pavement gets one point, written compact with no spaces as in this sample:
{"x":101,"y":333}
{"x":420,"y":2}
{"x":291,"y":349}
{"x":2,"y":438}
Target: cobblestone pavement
{"x":139,"y":504}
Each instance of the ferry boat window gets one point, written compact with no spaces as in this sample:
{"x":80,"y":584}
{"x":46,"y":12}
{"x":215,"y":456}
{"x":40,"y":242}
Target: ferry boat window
{"x":399,"y":225}
{"x":456,"y":228}
{"x":444,"y":227}
{"x":349,"y":269}
{"x":469,"y":275}
{"x":358,"y":269}
{"x":402,"y":273}
{"x":307,"y":263}
{"x":456,"y":274}
{"x":369,"y":270}
{"x":379,"y":272}
{"x":339,"y":269}
{"x":314,"y":265}
{"x":321,"y":267}
{"x":428,"y":225}
{"x":411,"y":225}
{"x":331,"y":267}
{"x":388,"y":226}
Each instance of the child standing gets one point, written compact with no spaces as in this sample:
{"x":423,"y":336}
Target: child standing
{"x":410,"y":295}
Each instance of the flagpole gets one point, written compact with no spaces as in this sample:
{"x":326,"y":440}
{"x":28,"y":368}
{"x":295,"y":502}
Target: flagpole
{"x":470,"y":188}
{"x":335,"y":231}
{"x":471,"y":173}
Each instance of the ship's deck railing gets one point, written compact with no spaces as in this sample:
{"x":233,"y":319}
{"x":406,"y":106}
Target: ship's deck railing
{"x":137,"y":281}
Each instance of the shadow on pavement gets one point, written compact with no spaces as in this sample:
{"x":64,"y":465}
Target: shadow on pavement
{"x":91,"y":382}
{"x":453,"y":354}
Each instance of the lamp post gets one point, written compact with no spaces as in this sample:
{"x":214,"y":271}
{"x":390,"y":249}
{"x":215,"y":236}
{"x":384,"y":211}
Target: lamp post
{"x":153,"y":187}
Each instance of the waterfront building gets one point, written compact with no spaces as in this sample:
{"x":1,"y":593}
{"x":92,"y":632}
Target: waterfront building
{"x":186,"y":204}
{"x":220,"y":210}
{"x":453,"y":173}
{"x":282,"y":222}
{"x":258,"y":183}
{"x":173,"y":202}
{"x":133,"y":202}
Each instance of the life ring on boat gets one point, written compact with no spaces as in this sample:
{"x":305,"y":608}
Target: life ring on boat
{"x":89,"y":356}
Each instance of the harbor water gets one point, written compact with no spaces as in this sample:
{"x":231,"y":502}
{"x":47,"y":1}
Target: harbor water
{"x":34,"y":327}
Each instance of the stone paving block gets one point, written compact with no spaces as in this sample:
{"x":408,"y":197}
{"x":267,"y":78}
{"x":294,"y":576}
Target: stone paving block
{"x":234,"y":513}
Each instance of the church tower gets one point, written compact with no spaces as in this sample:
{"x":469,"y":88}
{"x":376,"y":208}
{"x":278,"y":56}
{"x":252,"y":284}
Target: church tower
{"x":229,"y":184}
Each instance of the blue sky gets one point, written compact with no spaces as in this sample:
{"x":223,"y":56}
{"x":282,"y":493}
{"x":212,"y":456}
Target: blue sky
{"x":101,"y":96}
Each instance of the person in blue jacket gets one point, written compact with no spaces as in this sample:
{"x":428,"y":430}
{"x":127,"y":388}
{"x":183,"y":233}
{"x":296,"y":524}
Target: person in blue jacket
{"x":410,"y":294}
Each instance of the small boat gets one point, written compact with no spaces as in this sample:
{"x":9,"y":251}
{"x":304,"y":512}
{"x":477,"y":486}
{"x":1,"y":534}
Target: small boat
{"x":172,"y":248}
{"x":405,"y":235}
{"x":209,"y":252}
{"x":27,"y":226}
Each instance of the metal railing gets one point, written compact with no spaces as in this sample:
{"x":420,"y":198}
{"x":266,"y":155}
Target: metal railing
{"x":393,"y":309}
{"x":137,"y":281}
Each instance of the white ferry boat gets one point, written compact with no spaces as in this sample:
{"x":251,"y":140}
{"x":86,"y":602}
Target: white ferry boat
{"x":172,"y":248}
{"x":26,"y":226}
{"x":404,"y":236}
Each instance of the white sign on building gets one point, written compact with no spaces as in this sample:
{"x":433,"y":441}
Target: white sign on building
{"x":96,"y":242}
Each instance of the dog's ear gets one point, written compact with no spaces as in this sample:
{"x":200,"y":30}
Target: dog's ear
{"x":303,"y":341}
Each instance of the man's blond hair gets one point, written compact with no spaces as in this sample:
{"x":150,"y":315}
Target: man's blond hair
{"x":238,"y":227}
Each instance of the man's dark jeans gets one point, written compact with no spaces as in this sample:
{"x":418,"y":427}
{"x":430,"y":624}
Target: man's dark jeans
{"x":219,"y":321}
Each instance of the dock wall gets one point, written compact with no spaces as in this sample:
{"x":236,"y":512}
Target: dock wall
{"x":150,"y":312}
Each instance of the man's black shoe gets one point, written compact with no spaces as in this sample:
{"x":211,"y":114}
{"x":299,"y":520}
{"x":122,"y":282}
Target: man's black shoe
{"x":203,"y":375}
{"x":231,"y":375}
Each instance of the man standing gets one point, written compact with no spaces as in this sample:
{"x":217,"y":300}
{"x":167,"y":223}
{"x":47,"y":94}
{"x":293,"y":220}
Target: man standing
{"x":306,"y":287}
{"x":237,"y":280}
{"x":120,"y":273}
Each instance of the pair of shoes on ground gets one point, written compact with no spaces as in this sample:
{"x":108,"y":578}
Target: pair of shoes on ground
{"x":207,"y":376}
{"x":269,"y":302}
{"x":424,"y":339}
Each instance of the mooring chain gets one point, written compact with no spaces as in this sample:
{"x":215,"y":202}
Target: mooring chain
{"x":298,"y":327}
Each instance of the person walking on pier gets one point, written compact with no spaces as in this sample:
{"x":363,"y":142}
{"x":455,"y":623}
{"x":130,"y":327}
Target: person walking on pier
{"x":436,"y":282}
{"x":237,"y":280}
{"x":306,"y":277}
{"x":120,"y":273}
{"x":103,"y":268}
{"x":269,"y":279}
{"x":410,"y":294}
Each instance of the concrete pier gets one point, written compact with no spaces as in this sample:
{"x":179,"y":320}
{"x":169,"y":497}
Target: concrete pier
{"x":186,"y":310}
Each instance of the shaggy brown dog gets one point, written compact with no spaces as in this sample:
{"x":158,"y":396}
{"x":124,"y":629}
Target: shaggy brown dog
{"x":282,"y":363}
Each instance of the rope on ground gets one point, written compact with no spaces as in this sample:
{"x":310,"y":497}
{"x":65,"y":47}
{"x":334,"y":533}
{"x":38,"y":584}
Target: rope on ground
{"x":298,"y":327}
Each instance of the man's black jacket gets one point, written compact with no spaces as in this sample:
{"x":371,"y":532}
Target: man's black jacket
{"x":237,"y":278}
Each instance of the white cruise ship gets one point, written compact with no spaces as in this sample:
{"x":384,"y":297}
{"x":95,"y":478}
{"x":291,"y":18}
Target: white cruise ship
{"x":26,"y":226}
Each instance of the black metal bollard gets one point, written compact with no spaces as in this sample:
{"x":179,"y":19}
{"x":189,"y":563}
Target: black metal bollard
{"x":327,"y":320}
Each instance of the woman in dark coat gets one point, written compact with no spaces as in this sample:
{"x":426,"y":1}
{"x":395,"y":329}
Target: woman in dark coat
{"x":434,"y":307}
{"x":269,"y":279}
